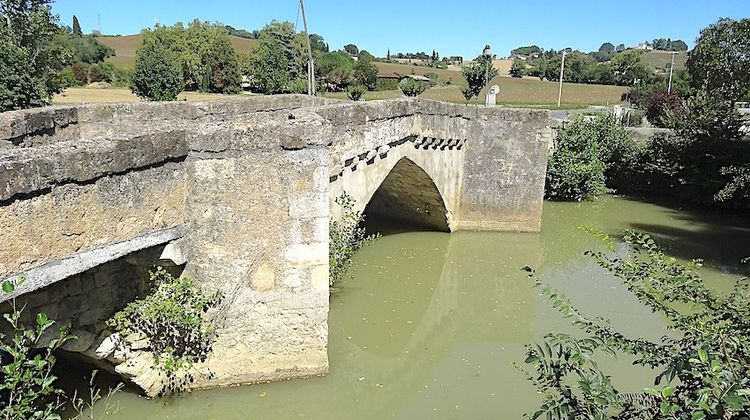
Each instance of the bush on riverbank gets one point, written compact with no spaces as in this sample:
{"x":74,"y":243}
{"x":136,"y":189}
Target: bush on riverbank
{"x":589,"y":158}
{"x":703,"y":374}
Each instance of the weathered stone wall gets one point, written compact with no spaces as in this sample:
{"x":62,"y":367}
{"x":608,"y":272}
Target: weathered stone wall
{"x":241,"y":190}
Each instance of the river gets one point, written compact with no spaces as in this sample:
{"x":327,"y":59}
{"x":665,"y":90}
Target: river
{"x":431,"y":323}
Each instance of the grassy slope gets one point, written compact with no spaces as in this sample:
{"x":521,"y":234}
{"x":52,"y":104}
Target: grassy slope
{"x":662,"y":60}
{"x":125,"y":47}
{"x":525,"y":91}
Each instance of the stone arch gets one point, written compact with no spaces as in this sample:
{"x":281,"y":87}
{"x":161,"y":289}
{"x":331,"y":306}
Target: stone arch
{"x":409,"y":195}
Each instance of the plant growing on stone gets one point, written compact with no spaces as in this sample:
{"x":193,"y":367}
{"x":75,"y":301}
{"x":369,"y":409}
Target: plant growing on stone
{"x":172,"y":321}
{"x":27,"y":385}
{"x":346,"y":236}
{"x":703,"y":374}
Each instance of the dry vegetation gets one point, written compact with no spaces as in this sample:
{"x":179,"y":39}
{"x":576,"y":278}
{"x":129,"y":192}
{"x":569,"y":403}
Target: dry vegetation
{"x":94,"y":96}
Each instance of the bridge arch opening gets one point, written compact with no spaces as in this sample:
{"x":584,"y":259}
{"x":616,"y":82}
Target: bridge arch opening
{"x":407,"y":199}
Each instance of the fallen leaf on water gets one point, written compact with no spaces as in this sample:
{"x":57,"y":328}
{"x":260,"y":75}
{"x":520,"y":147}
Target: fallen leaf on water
{"x":263,"y":394}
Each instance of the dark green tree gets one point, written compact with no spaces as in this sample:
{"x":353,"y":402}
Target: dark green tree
{"x":518,"y":69}
{"x":76,"y":27}
{"x":607,"y":47}
{"x":274,"y":62}
{"x":158,"y":74}
{"x":365,"y":72}
{"x":351,"y":49}
{"x":222,"y":67}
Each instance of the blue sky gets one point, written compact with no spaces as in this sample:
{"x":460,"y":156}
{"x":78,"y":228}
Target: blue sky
{"x":458,"y":27}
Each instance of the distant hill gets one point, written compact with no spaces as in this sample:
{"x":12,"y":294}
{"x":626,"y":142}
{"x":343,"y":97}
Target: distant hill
{"x":661,"y":60}
{"x":125,"y":47}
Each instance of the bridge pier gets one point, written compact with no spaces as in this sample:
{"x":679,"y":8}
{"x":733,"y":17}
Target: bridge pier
{"x":245,"y":187}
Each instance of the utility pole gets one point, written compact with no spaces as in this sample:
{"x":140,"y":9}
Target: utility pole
{"x":562,"y":71}
{"x":671,"y":71}
{"x":310,"y":64}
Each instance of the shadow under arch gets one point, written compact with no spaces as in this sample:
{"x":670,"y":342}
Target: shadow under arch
{"x":406,"y":200}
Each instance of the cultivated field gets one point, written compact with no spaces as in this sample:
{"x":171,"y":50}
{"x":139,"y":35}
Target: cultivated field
{"x":95,"y":96}
{"x":125,"y":47}
{"x":527,"y":91}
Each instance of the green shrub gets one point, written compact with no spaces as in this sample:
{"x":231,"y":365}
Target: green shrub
{"x":67,"y":78}
{"x":703,"y":374}
{"x":346,"y":237}
{"x":355,"y":92}
{"x":589,"y":157}
{"x":412,"y":88}
{"x":27,"y":384}
{"x":298,"y":86}
{"x":172,"y":318}
{"x":157,"y":75}
{"x":386,"y":84}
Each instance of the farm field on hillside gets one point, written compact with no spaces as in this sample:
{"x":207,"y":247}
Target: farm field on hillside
{"x":662,"y":60}
{"x":125,"y":47}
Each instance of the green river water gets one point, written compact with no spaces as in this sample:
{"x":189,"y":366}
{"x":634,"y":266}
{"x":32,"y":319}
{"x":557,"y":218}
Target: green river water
{"x":432,"y":322}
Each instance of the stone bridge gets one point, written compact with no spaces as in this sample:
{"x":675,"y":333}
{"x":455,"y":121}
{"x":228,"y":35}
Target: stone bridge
{"x":239,"y":194}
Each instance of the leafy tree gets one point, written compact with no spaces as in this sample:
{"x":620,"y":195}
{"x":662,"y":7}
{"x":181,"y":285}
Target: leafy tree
{"x":88,"y":49}
{"x":518,"y":69}
{"x":695,"y":162}
{"x":336,"y":69}
{"x":355,"y":92}
{"x":412,"y":88}
{"x":541,"y":68}
{"x":720,"y":60}
{"x":365,"y":72}
{"x":351,"y":49}
{"x":679,"y":45}
{"x":477,"y":76}
{"x":629,"y":70}
{"x":607,"y":47}
{"x":274,"y":61}
{"x":157,"y":75}
{"x":528,"y":50}
{"x":76,"y":27}
{"x":223,"y":67}
{"x":703,"y":374}
{"x":19,"y":89}
{"x":366,"y":56}
{"x":34,"y":53}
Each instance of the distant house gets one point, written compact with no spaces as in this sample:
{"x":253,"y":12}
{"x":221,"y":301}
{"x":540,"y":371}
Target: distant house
{"x":644,"y":46}
{"x":456,"y":60}
{"x":389,"y":75}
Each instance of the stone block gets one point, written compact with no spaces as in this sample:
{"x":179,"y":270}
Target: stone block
{"x":263,"y":279}
{"x":307,"y":254}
